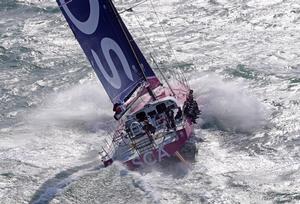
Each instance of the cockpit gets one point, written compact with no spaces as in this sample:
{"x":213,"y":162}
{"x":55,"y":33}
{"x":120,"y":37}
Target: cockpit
{"x":155,"y":116}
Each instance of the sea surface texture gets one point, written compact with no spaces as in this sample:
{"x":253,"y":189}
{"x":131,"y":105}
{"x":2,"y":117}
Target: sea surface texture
{"x":241,"y":57}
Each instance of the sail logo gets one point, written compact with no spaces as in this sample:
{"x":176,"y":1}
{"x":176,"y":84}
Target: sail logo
{"x":91,"y":24}
{"x":149,"y":158}
{"x":107,"y":44}
{"x":104,"y":63}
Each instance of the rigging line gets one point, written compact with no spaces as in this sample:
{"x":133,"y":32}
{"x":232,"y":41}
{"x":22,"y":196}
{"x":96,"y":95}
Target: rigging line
{"x":163,"y":76}
{"x":145,"y":36}
{"x":148,"y":41}
{"x":176,"y":74}
{"x":131,"y":46}
{"x":176,"y":59}
{"x":130,"y":8}
{"x":177,"y":77}
{"x":164,"y":32}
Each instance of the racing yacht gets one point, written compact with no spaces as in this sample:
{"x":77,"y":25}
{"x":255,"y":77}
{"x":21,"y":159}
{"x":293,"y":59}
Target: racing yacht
{"x":155,"y":119}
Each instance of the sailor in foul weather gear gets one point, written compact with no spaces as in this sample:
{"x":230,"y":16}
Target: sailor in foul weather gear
{"x":170,"y":117}
{"x":178,"y":116}
{"x":119,"y":109}
{"x":190,"y":108}
{"x":149,"y":129}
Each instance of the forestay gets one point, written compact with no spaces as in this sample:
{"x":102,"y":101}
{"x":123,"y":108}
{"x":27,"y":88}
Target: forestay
{"x":114,"y":56}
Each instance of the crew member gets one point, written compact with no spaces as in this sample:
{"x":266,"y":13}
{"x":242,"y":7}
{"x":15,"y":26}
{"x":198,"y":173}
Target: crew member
{"x":149,"y":129}
{"x":190,"y":107}
{"x":118,"y":108}
{"x":178,"y":116}
{"x":170,"y":116}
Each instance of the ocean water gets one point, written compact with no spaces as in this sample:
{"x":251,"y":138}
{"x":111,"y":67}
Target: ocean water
{"x":242,"y":57}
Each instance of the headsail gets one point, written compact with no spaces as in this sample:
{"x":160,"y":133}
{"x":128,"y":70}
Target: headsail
{"x":114,"y":56}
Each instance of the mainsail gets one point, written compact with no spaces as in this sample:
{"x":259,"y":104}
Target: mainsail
{"x":111,"y":50}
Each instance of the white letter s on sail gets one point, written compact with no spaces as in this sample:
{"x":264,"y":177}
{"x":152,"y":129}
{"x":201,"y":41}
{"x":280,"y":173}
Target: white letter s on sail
{"x":108,"y":44}
{"x":88,"y":27}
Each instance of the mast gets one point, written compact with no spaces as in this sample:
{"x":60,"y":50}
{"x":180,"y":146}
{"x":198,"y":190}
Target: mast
{"x":151,"y":93}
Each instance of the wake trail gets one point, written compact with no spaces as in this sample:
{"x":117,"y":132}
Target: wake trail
{"x":54,"y":186}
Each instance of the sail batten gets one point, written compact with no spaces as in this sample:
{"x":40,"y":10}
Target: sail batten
{"x":115,"y":57}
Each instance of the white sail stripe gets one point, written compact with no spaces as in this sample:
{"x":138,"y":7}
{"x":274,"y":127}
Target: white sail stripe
{"x":91,"y":24}
{"x":108,"y":44}
{"x":114,"y":80}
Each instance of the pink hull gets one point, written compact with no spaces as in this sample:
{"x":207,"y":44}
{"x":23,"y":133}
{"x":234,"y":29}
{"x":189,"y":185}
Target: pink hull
{"x":171,"y":148}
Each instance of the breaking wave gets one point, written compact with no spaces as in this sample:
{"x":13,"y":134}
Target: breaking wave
{"x":85,"y":105}
{"x":227,"y":106}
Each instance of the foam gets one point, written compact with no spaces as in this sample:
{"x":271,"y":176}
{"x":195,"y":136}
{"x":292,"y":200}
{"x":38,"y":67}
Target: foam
{"x":227,"y":105}
{"x":263,"y":3}
{"x":85,"y":104}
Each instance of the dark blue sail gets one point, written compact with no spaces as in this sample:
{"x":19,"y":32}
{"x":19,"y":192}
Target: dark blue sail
{"x":104,"y":38}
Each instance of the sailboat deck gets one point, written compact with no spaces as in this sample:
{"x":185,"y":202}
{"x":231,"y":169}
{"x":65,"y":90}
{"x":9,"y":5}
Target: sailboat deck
{"x":126,"y":150}
{"x":123,"y":148}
